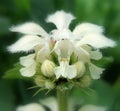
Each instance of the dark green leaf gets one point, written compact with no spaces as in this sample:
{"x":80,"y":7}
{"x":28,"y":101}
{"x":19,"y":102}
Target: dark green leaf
{"x":13,"y":73}
{"x":6,"y":97}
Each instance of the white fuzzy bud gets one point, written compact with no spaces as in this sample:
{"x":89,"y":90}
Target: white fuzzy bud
{"x":47,"y":68}
{"x":85,"y":81}
{"x":80,"y":68}
{"x":49,"y":85}
{"x":39,"y":81}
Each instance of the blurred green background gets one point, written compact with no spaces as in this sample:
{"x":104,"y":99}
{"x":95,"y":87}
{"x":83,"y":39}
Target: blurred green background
{"x":13,"y":92}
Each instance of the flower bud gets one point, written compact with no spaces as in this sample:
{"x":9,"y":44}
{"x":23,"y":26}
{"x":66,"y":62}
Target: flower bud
{"x":80,"y":68}
{"x":49,"y":85}
{"x":85,"y":81}
{"x":47,"y":68}
{"x":39,"y":81}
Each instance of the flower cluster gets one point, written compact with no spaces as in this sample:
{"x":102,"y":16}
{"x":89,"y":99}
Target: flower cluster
{"x":51,"y":103}
{"x":62,"y":55}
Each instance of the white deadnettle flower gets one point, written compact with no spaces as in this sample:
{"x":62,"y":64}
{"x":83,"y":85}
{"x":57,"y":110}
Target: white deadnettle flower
{"x":64,"y":52}
{"x":80,"y":42}
{"x":31,"y":107}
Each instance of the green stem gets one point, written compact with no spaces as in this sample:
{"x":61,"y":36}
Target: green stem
{"x":62,"y":96}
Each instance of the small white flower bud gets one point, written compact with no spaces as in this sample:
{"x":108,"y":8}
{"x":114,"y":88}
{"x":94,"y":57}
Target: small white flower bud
{"x":40,"y":81}
{"x":80,"y":68}
{"x":49,"y":85}
{"x":47,"y":68}
{"x":85,"y":81}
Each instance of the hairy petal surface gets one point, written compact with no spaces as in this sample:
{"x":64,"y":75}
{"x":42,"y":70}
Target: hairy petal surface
{"x":86,"y":28}
{"x":97,"y":41}
{"x":61,"y":19}
{"x":26,"y":43}
{"x":30,"y":28}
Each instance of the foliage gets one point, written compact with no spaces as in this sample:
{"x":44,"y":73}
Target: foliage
{"x":101,"y":12}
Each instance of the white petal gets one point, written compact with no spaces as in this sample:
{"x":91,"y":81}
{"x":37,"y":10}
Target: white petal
{"x":64,"y":48}
{"x":27,"y":60}
{"x":30,"y":28}
{"x":85,"y":28}
{"x":95,"y":71}
{"x":61,"y":19}
{"x":97,"y":41}
{"x":71,"y":72}
{"x":58,"y":72}
{"x":82,"y":54}
{"x":28,"y":71}
{"x":26,"y":43}
{"x":43,"y":53}
{"x":66,"y":34}
{"x":92,"y":108}
{"x":31,"y":107}
{"x":51,"y":103}
{"x":65,"y":70}
{"x":87,"y":47}
{"x":96,"y":55}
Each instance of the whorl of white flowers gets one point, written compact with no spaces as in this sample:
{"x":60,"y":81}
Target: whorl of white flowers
{"x":62,"y":53}
{"x":51,"y":103}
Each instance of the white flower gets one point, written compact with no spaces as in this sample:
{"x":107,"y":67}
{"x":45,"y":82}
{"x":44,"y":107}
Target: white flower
{"x":85,"y":42}
{"x":64,"y":52}
{"x":29,"y":65}
{"x":31,"y":38}
{"x":31,"y":107}
{"x":51,"y":103}
{"x":65,"y":70}
{"x":92,"y":108}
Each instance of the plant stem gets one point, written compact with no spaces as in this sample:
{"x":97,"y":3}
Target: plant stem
{"x":62,"y":96}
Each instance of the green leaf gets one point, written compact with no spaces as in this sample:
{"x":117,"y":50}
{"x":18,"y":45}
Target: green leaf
{"x":105,"y":61}
{"x":104,"y":92}
{"x":84,"y":96}
{"x":13,"y":73}
{"x":99,"y":93}
{"x":4,"y":24}
{"x":6,"y":97}
{"x":116,"y":104}
{"x":22,"y":5}
{"x":116,"y":86}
